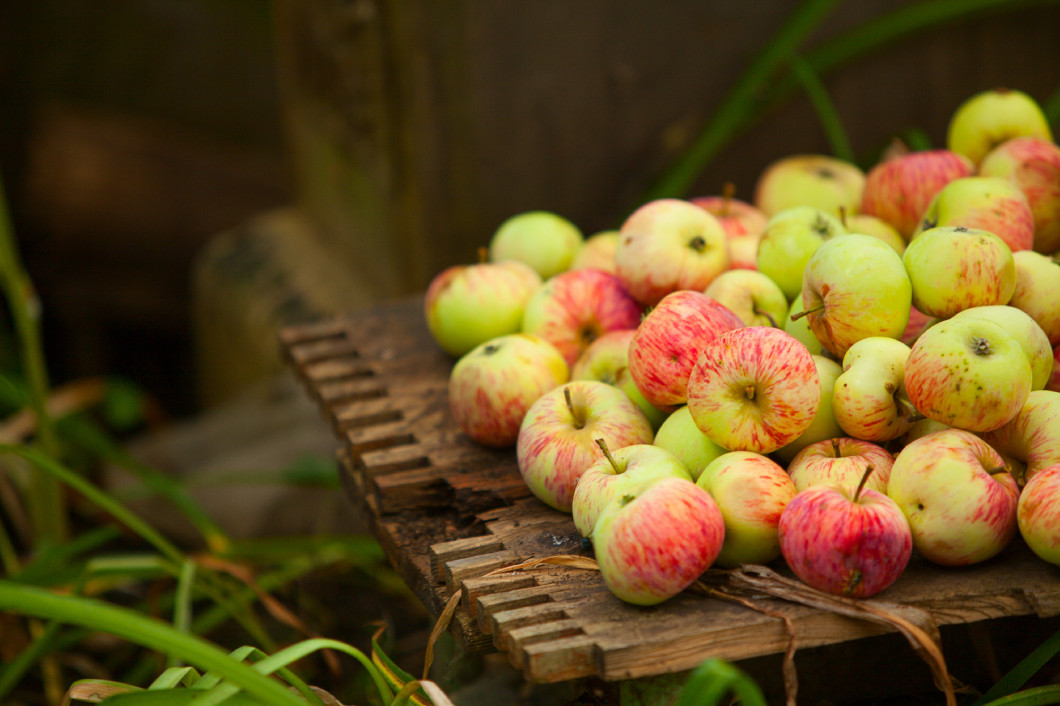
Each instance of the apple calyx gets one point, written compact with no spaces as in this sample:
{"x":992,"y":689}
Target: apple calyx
{"x":490,"y":348}
{"x":981,"y":346}
{"x":579,"y":421}
{"x":698,"y":243}
{"x":607,"y":454}
{"x":749,"y":392}
{"x":861,"y":484}
{"x":820,"y":226}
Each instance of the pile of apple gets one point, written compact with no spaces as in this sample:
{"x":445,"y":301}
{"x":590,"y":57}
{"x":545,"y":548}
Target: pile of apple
{"x":854,"y":367}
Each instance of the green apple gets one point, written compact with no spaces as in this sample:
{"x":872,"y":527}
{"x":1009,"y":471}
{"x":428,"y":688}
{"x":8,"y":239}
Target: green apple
{"x":788,"y":241}
{"x":1024,"y":329}
{"x":855,"y":287}
{"x":751,"y":295}
{"x":680,"y":436}
{"x":1038,"y":514}
{"x":877,"y":228}
{"x":953,"y":268}
{"x":992,"y":204}
{"x":968,"y":373}
{"x":821,"y":181}
{"x":544,"y":240}
{"x":597,"y":251}
{"x":986,"y":119}
{"x":1037,"y":290}
{"x":824,"y":425}
{"x":751,"y":491}
{"x":799,"y":326}
{"x":467,"y":305}
{"x":869,"y":401}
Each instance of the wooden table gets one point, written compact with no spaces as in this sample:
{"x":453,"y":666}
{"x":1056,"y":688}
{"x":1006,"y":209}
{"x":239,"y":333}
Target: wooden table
{"x":448,"y":512}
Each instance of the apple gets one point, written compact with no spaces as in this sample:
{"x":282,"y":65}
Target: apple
{"x":841,"y":461}
{"x":572,"y":309}
{"x":1032,"y":437}
{"x":466,"y":305}
{"x":959,"y":499}
{"x":607,"y":360}
{"x":751,"y":295}
{"x":821,"y":181}
{"x":743,"y":224}
{"x":956,"y":267}
{"x":787,"y":242}
{"x":751,"y":491}
{"x":824,"y":425}
{"x":668,"y":340}
{"x":1037,"y":290}
{"x":598,"y":251}
{"x":1032,"y":164}
{"x":989,"y":118}
{"x":544,"y":240}
{"x":492,"y":386}
{"x":799,"y":326}
{"x":680,"y":436}
{"x":1026,"y":331}
{"x":918,"y":323}
{"x":754,"y":389}
{"x":877,"y":228}
{"x":846,"y":543}
{"x":899,"y":189}
{"x":855,"y":287}
{"x":992,"y":204}
{"x":668,"y":245}
{"x":967,"y":373}
{"x":1038,"y":514}
{"x":869,"y":401}
{"x":655,"y":541}
{"x":617,"y":474}
{"x":557,"y":438}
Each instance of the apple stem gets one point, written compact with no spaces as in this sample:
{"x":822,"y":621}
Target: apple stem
{"x":835,"y":448}
{"x":749,"y":391}
{"x":769,"y":317}
{"x":607,"y":454}
{"x":483,"y":254}
{"x":728,"y":191}
{"x":798,"y":315}
{"x":999,"y":469}
{"x":578,"y":421}
{"x":843,"y":216}
{"x":864,"y":478}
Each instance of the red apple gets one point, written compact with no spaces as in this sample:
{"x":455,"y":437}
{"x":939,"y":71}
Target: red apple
{"x":575,"y":307}
{"x":1033,"y":435}
{"x":652,"y":543}
{"x":1038,"y":514}
{"x":1033,"y":164}
{"x":846,"y":543}
{"x":667,"y":343}
{"x":754,"y":389}
{"x":607,"y":360}
{"x":742,"y":222}
{"x":992,"y":204}
{"x":841,"y":461}
{"x":899,"y":189}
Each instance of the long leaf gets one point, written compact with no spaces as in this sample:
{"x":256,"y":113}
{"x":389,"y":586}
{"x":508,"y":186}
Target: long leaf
{"x":1027,"y":668}
{"x":150,"y":633}
{"x":712,"y":680}
{"x":822,"y":104}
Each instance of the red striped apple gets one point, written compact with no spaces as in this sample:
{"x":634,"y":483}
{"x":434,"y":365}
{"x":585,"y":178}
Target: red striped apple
{"x":954,"y":267}
{"x":824,"y":425}
{"x":849,"y":543}
{"x":1038,"y":514}
{"x":667,"y":343}
{"x":1037,"y":290}
{"x":557,"y":438}
{"x":1026,"y":331}
{"x":1033,"y":435}
{"x":751,"y":295}
{"x":967,"y":373}
{"x":751,"y":491}
{"x":869,"y":401}
{"x":992,"y":204}
{"x":668,"y":245}
{"x":607,"y":360}
{"x":742,"y":222}
{"x":1032,"y":164}
{"x":841,"y":461}
{"x":492,"y":386}
{"x":957,"y":495}
{"x":654,"y":542}
{"x":754,"y":389}
{"x":572,"y":309}
{"x":598,"y":251}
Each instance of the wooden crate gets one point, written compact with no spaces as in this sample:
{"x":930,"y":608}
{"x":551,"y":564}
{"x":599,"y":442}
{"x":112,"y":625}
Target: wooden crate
{"x":448,"y":512}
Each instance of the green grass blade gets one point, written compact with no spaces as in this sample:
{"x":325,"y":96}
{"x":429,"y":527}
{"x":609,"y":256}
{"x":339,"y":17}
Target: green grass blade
{"x":712,"y":680}
{"x":145,"y":631}
{"x":219,"y":692}
{"x":182,"y":604}
{"x":742,"y":102}
{"x":1037,"y":696}
{"x":1051,"y":108}
{"x":822,"y":104}
{"x":1027,"y":668}
{"x":174,"y":677}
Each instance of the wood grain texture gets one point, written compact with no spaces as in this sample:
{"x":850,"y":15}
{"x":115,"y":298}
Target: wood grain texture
{"x":450,"y":513}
